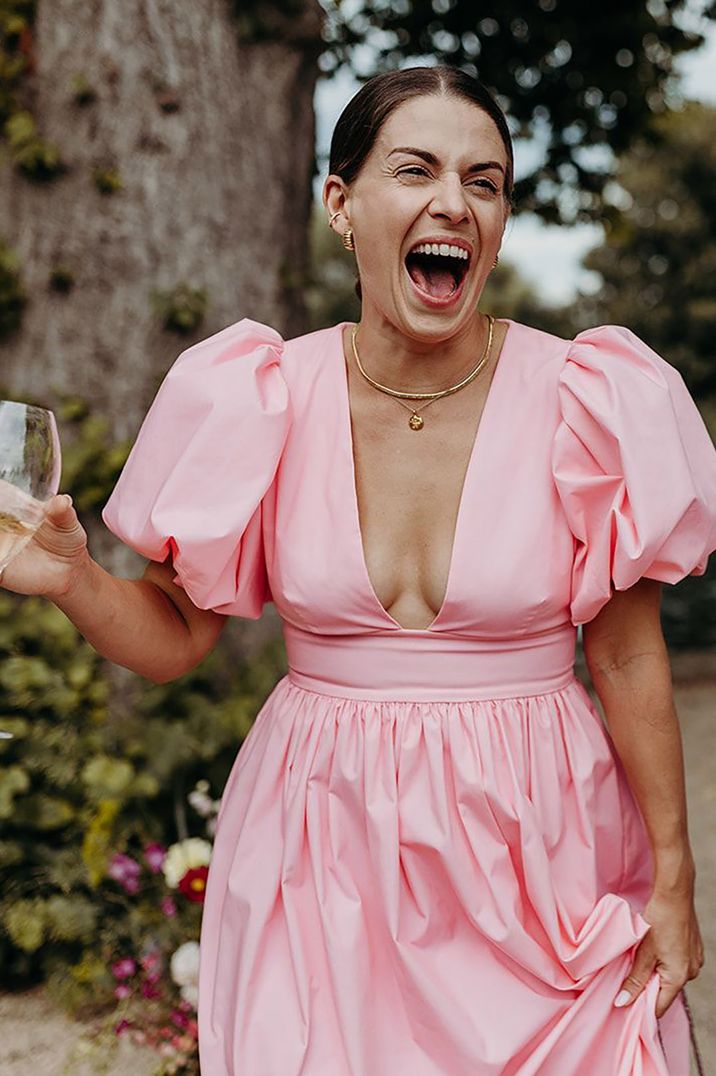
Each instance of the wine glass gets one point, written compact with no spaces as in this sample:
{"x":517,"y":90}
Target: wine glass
{"x":30,"y":465}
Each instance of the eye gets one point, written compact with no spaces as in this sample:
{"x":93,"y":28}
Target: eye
{"x":415,"y":169}
{"x":486,"y":185}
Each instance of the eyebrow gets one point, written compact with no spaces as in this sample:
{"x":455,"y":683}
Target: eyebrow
{"x":430,"y":158}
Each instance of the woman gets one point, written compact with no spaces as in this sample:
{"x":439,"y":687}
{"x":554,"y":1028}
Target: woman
{"x":431,"y":856}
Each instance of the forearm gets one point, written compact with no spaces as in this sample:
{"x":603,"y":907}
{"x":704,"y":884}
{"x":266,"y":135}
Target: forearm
{"x":638,"y":704}
{"x":132,"y":622}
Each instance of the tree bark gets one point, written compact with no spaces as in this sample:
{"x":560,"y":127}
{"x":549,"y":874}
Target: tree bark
{"x":214,"y":142}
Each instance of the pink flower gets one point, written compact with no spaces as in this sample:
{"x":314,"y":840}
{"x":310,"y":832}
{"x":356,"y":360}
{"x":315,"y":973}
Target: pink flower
{"x":179,"y":1018}
{"x":121,"y":1027}
{"x":124,"y":969}
{"x":150,"y":990}
{"x":152,"y":965}
{"x":125,"y":871}
{"x":154,"y":855}
{"x":168,"y":907}
{"x":122,"y":991}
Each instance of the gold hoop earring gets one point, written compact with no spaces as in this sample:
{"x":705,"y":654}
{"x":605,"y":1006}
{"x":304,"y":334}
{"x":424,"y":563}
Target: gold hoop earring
{"x":333,"y":217}
{"x":348,"y":239}
{"x":494,"y":264}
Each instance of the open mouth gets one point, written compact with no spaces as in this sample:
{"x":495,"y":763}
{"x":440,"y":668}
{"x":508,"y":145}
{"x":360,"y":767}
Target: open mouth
{"x":437,"y":275}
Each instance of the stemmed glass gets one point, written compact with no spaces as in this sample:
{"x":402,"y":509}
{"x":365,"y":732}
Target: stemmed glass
{"x":30,"y":465}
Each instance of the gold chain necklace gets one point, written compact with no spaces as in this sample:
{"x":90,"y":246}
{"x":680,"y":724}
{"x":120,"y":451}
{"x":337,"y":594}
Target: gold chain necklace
{"x":415,"y":422}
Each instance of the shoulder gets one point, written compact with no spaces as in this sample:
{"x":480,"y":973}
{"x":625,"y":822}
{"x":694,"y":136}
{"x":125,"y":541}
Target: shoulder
{"x":249,"y":347}
{"x":603,"y":354}
{"x":311,"y":348}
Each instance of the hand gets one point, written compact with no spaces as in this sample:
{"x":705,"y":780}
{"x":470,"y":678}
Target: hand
{"x":672,"y":946}
{"x":54,"y":556}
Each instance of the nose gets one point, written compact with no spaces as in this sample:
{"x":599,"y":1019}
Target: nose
{"x":449,"y":199}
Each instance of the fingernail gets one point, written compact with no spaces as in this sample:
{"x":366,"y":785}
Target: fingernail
{"x":621,"y":998}
{"x":68,"y":499}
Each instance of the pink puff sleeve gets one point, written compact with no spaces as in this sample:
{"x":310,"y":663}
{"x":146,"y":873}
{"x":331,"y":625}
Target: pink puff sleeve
{"x":204,"y":457}
{"x":634,"y":466}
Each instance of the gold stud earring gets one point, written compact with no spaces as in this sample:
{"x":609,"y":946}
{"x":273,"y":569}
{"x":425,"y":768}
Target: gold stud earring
{"x":348,"y":239}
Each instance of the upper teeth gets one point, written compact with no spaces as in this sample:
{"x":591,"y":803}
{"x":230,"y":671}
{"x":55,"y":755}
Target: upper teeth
{"x":441,"y":248}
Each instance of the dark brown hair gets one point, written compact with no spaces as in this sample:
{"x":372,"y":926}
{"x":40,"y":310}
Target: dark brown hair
{"x":360,"y":121}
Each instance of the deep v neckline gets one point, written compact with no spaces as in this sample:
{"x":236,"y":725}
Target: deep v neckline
{"x":473,"y":458}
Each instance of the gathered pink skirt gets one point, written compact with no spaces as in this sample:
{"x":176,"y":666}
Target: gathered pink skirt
{"x":440,"y":880}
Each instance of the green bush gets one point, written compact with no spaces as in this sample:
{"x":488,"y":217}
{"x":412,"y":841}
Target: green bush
{"x":77,"y":786}
{"x":81,"y":783}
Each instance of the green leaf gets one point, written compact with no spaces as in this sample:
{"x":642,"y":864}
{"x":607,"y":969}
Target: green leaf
{"x":13,"y":781}
{"x":108,"y":776}
{"x":25,"y":923}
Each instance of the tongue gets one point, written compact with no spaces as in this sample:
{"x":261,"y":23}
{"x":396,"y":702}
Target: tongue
{"x":435,"y":280}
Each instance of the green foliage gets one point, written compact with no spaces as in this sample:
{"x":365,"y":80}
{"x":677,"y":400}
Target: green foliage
{"x":90,"y":462}
{"x":182,"y":308}
{"x":83,"y":93}
{"x":13,"y":296}
{"x":257,"y":21}
{"x":77,"y":786}
{"x":585,"y":76}
{"x":658,"y":264}
{"x":658,"y":259}
{"x":107,"y":180}
{"x":37,"y":159}
{"x":61,"y":279}
{"x":16,"y":19}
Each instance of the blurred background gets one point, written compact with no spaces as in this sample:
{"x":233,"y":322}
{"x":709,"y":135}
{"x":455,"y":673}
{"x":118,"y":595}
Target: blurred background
{"x":161,"y":165}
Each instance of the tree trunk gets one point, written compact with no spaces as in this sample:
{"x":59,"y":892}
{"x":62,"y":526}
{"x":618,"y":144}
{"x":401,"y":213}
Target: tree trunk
{"x":214,"y":143}
{"x":213,"y":138}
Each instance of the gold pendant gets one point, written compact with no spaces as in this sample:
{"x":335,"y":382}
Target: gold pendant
{"x":415,"y":422}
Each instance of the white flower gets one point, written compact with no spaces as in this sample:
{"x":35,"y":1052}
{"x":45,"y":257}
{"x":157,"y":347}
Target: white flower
{"x":201,"y":801}
{"x":181,"y":857}
{"x":190,"y":993}
{"x":202,"y":804}
{"x":184,"y":965}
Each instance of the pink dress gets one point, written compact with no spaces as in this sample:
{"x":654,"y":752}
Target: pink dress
{"x":428,"y":858}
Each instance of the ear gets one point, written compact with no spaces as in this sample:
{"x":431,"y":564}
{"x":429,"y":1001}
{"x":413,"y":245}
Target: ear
{"x":336,"y":198}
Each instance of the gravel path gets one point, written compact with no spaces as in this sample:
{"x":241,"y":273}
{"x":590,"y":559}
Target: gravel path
{"x":36,"y":1039}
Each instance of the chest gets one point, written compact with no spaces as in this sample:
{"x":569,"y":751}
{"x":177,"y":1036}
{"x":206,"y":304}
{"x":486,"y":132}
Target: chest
{"x":408,"y":487}
{"x":464,"y":512}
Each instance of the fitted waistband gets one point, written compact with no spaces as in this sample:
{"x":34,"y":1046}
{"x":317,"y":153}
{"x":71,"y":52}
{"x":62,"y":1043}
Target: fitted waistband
{"x":428,"y":665}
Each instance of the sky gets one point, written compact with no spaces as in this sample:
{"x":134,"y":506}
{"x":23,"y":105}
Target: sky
{"x":529,"y":244}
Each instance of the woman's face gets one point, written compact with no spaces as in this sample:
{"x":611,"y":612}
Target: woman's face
{"x":436,"y":173}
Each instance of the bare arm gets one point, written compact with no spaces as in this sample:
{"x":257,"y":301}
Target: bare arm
{"x":628,"y":662}
{"x":148,"y":625}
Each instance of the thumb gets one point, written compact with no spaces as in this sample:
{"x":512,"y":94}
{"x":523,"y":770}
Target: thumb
{"x":60,"y":504}
{"x":638,"y":977}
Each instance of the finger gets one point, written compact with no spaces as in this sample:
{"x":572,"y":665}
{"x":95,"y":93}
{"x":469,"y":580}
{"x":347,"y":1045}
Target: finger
{"x":667,"y":993}
{"x":61,"y":512}
{"x":59,"y":504}
{"x":638,"y":977}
